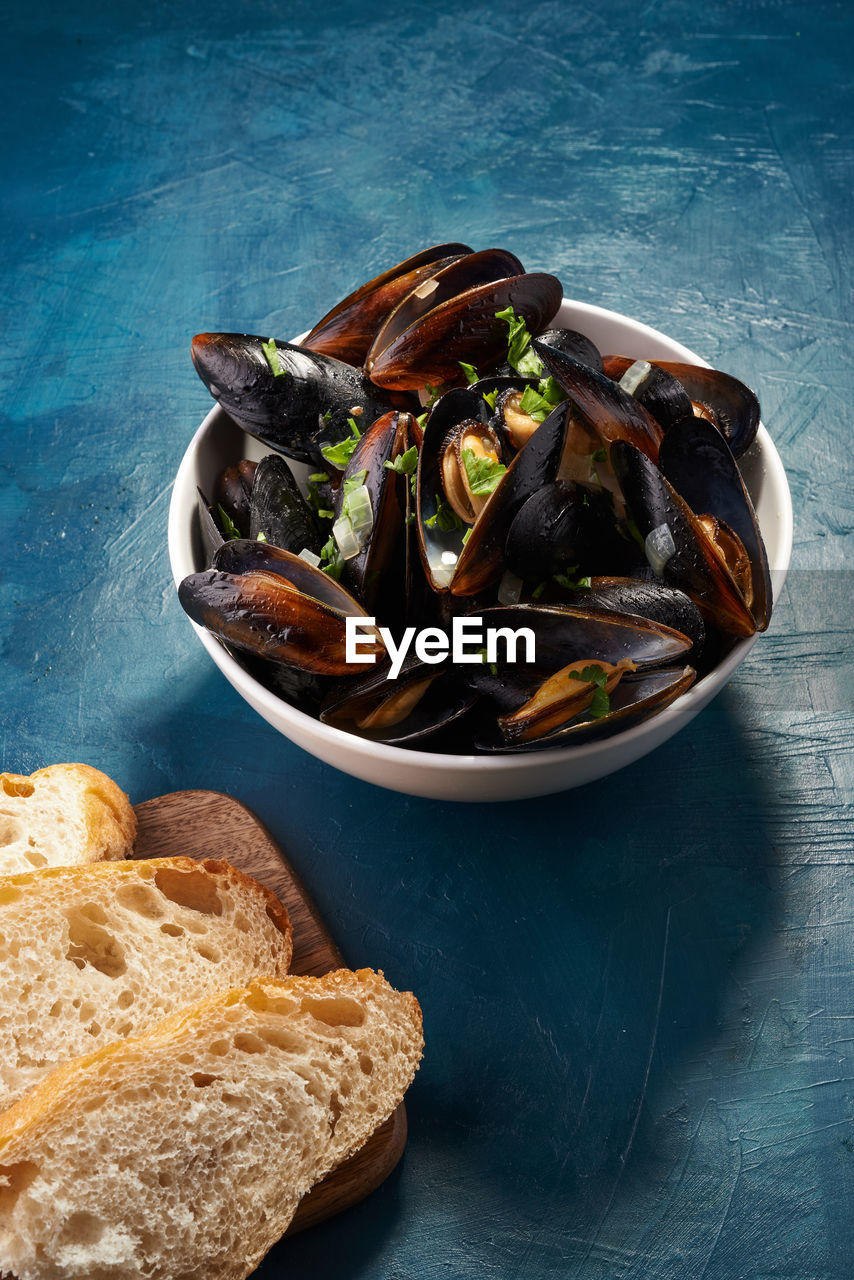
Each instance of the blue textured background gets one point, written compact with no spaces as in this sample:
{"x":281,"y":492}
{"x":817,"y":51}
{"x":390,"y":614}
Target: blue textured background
{"x":637,"y":996}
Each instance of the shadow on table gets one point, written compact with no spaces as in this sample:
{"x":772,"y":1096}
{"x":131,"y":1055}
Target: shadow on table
{"x":572,"y":954}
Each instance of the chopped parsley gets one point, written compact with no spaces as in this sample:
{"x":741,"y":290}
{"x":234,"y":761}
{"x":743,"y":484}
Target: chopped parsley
{"x":338,"y":455}
{"x":445,"y":518}
{"x":432,"y":394}
{"x":490,"y":397}
{"x":483,"y":474}
{"x":331,"y":560}
{"x":314,"y":499}
{"x":405,"y":463}
{"x":472,"y":375}
{"x":229,"y":528}
{"x":261,"y":537}
{"x":484,"y":657}
{"x":271,"y":352}
{"x":601,"y":704}
{"x":519,"y":354}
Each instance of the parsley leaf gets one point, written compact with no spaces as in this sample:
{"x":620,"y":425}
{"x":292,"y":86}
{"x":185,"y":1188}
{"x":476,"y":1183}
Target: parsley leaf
{"x":483,"y":474}
{"x":519,"y":353}
{"x":405,"y":463}
{"x":490,"y":397}
{"x":445,"y":517}
{"x":271,"y":352}
{"x":472,"y":375}
{"x":601,"y":704}
{"x":331,"y":560}
{"x":338,"y":455}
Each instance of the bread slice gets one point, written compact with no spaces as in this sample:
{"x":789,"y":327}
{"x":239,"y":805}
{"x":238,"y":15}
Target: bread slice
{"x":183,"y":1154}
{"x":94,"y":954}
{"x":64,"y":815}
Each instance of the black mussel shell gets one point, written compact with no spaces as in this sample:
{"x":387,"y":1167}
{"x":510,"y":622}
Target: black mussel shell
{"x":574,"y":344}
{"x":729,"y":404}
{"x":465,"y":328}
{"x":565,"y":524}
{"x":385,"y":440}
{"x":459,"y":277}
{"x":614,"y":414}
{"x":247,"y":555}
{"x":296,"y":410}
{"x":212,"y":538}
{"x":233,"y":492}
{"x":278,"y":510}
{"x":348,"y":330}
{"x":645,"y":599}
{"x":438,"y":700}
{"x":638,"y":696}
{"x":656,"y":389}
{"x":563,"y":635}
{"x":697,"y":461}
{"x":693,"y":565}
{"x":263,"y":614}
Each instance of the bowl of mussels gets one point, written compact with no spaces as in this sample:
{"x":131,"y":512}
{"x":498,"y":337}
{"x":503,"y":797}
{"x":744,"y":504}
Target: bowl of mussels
{"x":469,"y":539}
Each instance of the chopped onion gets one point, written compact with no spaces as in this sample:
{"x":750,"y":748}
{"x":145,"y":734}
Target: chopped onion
{"x":635,"y":375}
{"x":358,"y":510}
{"x":309,"y":557}
{"x":510,"y":589}
{"x":659,"y":547}
{"x":348,"y":544}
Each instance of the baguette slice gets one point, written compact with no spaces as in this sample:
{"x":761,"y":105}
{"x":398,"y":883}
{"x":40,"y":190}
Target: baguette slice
{"x":94,"y":954}
{"x":183,"y":1154}
{"x":62,"y":816}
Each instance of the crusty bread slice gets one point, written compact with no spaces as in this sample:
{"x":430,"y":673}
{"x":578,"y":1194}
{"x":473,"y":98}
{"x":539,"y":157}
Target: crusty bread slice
{"x":94,"y":954}
{"x":182,"y":1155}
{"x":62,"y":816}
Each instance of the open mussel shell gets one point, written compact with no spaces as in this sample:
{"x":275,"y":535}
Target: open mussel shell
{"x":687,"y":557}
{"x":422,"y":703}
{"x":656,"y":389}
{"x":697,"y":461}
{"x":348,"y":330}
{"x":727,"y":402}
{"x":644,"y":599}
{"x":463,"y":328}
{"x":564,"y":634}
{"x":457,"y":278}
{"x":263,"y":614}
{"x":278,"y":510}
{"x":306,"y":404}
{"x":613,"y":413}
{"x":384,"y":440}
{"x":482,"y":558}
{"x":638,"y":696}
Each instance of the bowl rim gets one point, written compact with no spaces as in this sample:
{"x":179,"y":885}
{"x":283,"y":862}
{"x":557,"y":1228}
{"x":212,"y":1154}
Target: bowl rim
{"x":434,"y":762}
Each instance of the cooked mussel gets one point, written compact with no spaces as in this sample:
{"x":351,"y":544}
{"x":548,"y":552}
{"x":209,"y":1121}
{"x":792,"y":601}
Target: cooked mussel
{"x":577,"y":652}
{"x":611,"y":411}
{"x":273,"y":604}
{"x":727,"y":403}
{"x":348,"y":330}
{"x":463,"y":328}
{"x":677,"y":543}
{"x":277,"y":510}
{"x":421,"y":703}
{"x":292,"y":399}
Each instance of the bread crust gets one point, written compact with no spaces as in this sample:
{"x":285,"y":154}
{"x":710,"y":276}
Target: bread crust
{"x":107,"y":822}
{"x":324,"y":1060}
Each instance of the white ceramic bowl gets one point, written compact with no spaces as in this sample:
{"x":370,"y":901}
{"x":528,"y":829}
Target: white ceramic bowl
{"x":219,"y":443}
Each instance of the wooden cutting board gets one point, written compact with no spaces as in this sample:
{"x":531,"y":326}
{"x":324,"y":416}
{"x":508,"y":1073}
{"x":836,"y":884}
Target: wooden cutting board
{"x":208,"y":824}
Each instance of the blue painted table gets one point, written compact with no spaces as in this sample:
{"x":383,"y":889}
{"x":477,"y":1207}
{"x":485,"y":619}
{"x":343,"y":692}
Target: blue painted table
{"x":638,"y":997}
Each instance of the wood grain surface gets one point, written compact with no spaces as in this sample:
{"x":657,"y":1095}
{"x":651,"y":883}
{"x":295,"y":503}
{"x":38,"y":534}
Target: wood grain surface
{"x":208,"y":824}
